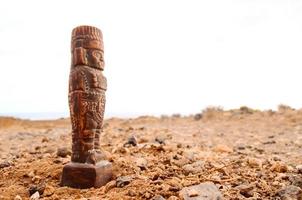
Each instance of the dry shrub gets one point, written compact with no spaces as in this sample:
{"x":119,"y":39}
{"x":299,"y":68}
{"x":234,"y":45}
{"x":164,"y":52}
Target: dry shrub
{"x":246,"y":110}
{"x":282,"y":108}
{"x":212,"y":112}
{"x":8,"y":121}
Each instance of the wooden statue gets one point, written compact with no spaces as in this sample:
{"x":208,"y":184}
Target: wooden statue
{"x":87,"y":86}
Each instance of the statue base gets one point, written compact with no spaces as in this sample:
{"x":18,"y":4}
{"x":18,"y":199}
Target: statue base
{"x":83,"y":175}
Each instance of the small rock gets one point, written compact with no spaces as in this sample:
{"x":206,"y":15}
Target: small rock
{"x":37,"y":188}
{"x":123,"y":181}
{"x":296,"y":180}
{"x":205,"y":191}
{"x":299,"y":169}
{"x":141,"y":163}
{"x":198,"y":116}
{"x":279,"y":167}
{"x":246,"y":190}
{"x":131,"y":193}
{"x":193,"y":168}
{"x":254,"y":162}
{"x":290,"y":192}
{"x":49,"y":190}
{"x":160,"y":140}
{"x":35,"y":196}
{"x":17,"y":198}
{"x":45,"y":139}
{"x":158,"y":197}
{"x":110,"y":185}
{"x":132,"y":141}
{"x":5,"y":164}
{"x":63,"y":152}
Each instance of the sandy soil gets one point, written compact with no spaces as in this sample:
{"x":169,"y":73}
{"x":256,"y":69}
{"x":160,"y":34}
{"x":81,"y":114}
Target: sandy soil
{"x":247,"y":153}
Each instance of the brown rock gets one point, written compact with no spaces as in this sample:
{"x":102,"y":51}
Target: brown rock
{"x":290,"y":192}
{"x":158,"y":197}
{"x":35,"y":196}
{"x":122,"y":181}
{"x":17,"y":198}
{"x":132,"y":141}
{"x":203,"y":191}
{"x":279,"y":167}
{"x":63,"y":152}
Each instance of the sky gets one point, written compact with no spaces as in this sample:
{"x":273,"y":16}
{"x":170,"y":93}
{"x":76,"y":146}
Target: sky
{"x":162,"y":57}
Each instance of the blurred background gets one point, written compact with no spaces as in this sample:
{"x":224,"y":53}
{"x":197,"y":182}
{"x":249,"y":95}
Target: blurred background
{"x":162,"y":57}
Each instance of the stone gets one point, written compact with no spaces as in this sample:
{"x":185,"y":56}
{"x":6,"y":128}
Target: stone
{"x":290,"y":192}
{"x":132,"y":141}
{"x":122,"y":181}
{"x":158,"y":197}
{"x":193,"y":168}
{"x":245,"y":190}
{"x":5,"y":164}
{"x":63,"y":152}
{"x":86,"y":96}
{"x":254,"y":162}
{"x":49,"y":190}
{"x":35,"y":196}
{"x":141,"y":163}
{"x":299,"y":169}
{"x":17,"y":198}
{"x":279,"y":167}
{"x":296,"y":180}
{"x":203,"y":191}
{"x":37,"y":188}
{"x":160,"y":140}
{"x":198,"y":116}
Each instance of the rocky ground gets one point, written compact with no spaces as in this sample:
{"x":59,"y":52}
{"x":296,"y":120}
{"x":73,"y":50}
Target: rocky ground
{"x":236,"y":154}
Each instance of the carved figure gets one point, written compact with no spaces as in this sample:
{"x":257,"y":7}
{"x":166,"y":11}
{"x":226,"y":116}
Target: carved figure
{"x":87,"y":87}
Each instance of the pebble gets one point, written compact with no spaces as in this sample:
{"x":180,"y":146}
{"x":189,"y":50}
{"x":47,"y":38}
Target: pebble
{"x":17,"y":198}
{"x":49,"y":190}
{"x":35,"y":196}
{"x":203,"y":191}
{"x":246,"y":190}
{"x":299,"y":169}
{"x":63,"y":152}
{"x":158,"y":197}
{"x":279,"y":167}
{"x":193,"y":168}
{"x":131,"y":193}
{"x":5,"y":164}
{"x":132,"y":141}
{"x":122,"y":181}
{"x":296,"y":180}
{"x":37,"y":188}
{"x":160,"y":140}
{"x":198,"y":116}
{"x":141,"y":163}
{"x":254,"y":162}
{"x":290,"y":192}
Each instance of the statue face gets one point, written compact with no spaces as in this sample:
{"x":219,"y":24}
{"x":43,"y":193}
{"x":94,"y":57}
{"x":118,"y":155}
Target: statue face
{"x":95,"y":58}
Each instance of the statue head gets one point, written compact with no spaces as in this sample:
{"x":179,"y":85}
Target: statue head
{"x":87,"y":47}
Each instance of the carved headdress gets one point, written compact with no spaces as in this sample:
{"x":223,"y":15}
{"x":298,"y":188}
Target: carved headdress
{"x":84,"y":39}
